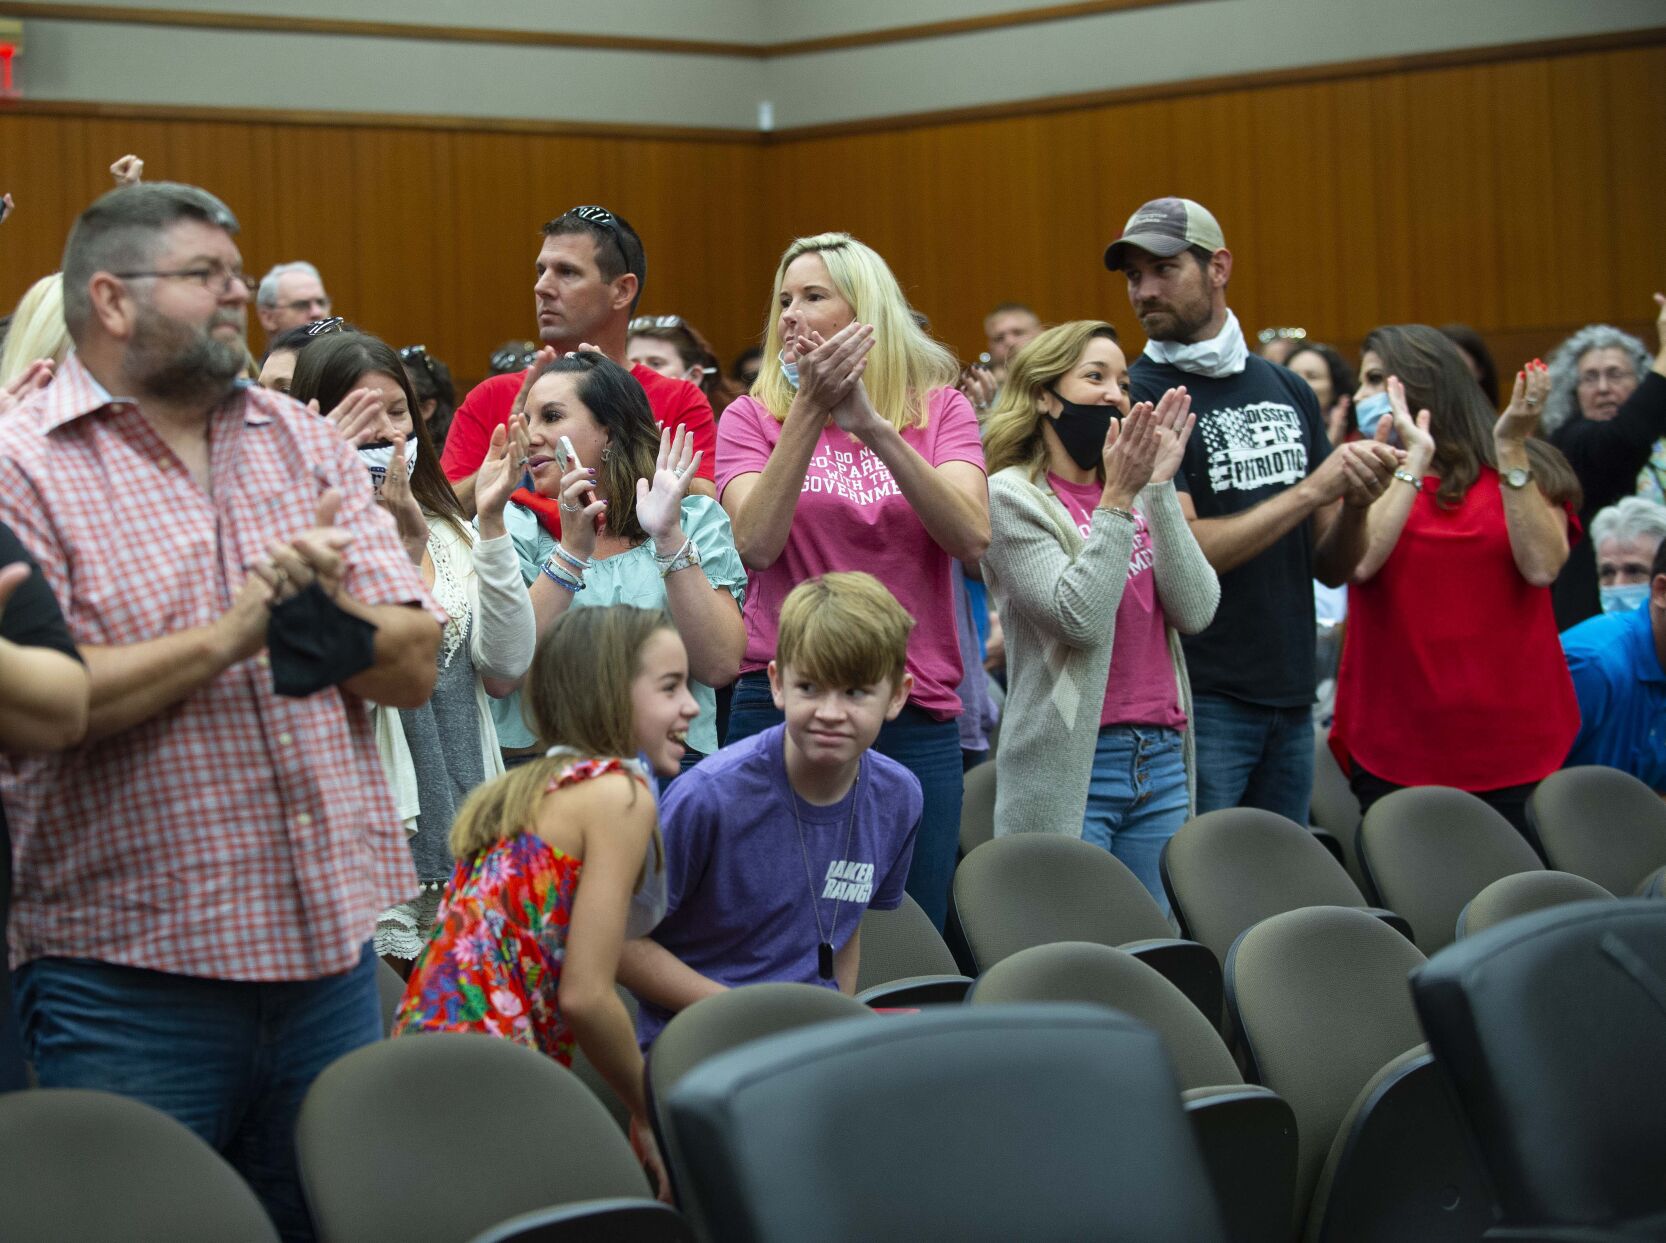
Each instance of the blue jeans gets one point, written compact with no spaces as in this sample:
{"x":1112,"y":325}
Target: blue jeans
{"x":1249,"y":755}
{"x":928,"y":748}
{"x":231,"y":1060}
{"x":1137,"y":798}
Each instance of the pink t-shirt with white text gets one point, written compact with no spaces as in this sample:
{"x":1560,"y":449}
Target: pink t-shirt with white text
{"x":852,"y":516}
{"x":1141,"y":689}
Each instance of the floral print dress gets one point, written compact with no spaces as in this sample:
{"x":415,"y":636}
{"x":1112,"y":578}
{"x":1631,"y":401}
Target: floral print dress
{"x":493,"y":961}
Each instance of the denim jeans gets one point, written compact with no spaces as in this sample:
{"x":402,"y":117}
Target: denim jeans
{"x":928,"y":748}
{"x":231,"y":1060}
{"x":1137,"y":798}
{"x":1249,"y":755}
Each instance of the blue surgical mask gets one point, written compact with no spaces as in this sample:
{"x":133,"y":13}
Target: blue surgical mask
{"x":1623,"y":599}
{"x":789,"y":369}
{"x":1371,"y":411}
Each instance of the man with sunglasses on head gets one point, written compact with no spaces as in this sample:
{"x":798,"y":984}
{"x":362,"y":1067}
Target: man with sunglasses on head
{"x":197,"y":884}
{"x":290,"y":295}
{"x":590,"y":272}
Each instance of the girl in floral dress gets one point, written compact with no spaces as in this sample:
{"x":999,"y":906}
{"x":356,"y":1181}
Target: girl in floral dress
{"x":560,"y":860}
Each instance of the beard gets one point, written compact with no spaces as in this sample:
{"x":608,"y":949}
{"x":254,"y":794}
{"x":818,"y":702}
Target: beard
{"x":1181,"y":322}
{"x":173,"y":361}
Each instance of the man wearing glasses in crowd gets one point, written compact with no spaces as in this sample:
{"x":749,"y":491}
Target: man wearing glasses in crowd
{"x":290,"y":294}
{"x":590,"y":272}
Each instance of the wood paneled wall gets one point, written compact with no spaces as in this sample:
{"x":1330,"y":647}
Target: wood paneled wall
{"x":1523,"y":197}
{"x":422,"y":236}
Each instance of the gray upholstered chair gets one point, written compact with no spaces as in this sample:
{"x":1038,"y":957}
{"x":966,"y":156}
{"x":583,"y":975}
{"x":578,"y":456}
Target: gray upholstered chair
{"x":92,"y":1165}
{"x":1321,"y":998}
{"x":366,"y":1140}
{"x":1427,"y":850}
{"x":1550,"y":1030}
{"x":905,"y":961}
{"x":972,"y":1123}
{"x":1247,"y":1134}
{"x":1333,"y":806}
{"x":594,"y":1221}
{"x":1602,"y":824}
{"x":390,"y":991}
{"x":1521,"y":894}
{"x":1037,"y":888}
{"x":1226,"y":870}
{"x":977,"y":807}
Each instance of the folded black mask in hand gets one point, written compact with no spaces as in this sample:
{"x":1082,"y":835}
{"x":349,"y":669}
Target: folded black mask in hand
{"x":313,"y":644}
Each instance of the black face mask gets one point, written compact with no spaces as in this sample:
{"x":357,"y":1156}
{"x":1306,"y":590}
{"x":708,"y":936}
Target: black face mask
{"x":1081,"y":430}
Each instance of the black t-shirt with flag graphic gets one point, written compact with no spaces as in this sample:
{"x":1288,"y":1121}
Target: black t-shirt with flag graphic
{"x":1258,"y":433}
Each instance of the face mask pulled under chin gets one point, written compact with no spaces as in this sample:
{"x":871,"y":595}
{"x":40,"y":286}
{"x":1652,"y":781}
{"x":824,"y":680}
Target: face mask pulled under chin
{"x":789,"y":369}
{"x":1624,"y":598}
{"x":1082,"y":429}
{"x":377,"y":457}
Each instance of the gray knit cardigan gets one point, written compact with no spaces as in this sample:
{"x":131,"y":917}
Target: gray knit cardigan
{"x":1058,"y":595}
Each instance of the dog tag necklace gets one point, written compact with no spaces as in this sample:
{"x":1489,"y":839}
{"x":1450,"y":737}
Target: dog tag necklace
{"x":824,"y":941}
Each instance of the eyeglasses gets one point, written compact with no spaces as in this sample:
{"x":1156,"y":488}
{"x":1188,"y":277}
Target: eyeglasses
{"x":324,"y":327}
{"x":1614,"y":377}
{"x":647,"y":323}
{"x":419,"y":354}
{"x":219,"y":280}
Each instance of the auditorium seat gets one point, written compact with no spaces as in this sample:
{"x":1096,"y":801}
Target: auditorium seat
{"x":1037,"y":888}
{"x":980,"y":1124}
{"x":1550,"y":1029}
{"x":591,"y":1078}
{"x":1521,"y":894}
{"x":594,"y":1221}
{"x":718,"y":1023}
{"x":1602,"y":824}
{"x":1247,"y":1134}
{"x":1321,"y":998}
{"x":977,"y":807}
{"x":1428,"y":850}
{"x":435,"y":1137}
{"x":905,"y":961}
{"x":390,"y":991}
{"x":1333,"y":806}
{"x":93,"y":1165}
{"x":1226,"y":870}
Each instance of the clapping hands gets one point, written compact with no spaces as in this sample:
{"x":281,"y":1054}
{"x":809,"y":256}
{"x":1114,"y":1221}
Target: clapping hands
{"x":659,"y":501}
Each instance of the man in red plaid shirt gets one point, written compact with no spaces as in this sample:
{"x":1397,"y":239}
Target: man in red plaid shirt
{"x":196,"y":886}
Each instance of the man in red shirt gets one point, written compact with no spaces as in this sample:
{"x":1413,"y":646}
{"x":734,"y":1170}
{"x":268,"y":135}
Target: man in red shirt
{"x":590,"y":274}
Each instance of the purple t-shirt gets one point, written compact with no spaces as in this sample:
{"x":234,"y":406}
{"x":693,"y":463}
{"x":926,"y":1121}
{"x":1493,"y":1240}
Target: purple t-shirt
{"x":738,"y":908}
{"x":852,"y":516}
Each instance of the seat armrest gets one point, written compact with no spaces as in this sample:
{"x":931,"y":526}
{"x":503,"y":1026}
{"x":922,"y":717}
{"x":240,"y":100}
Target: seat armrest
{"x":1392,"y":919}
{"x":1190,"y":967}
{"x":1248,"y":1137}
{"x":916,"y":990}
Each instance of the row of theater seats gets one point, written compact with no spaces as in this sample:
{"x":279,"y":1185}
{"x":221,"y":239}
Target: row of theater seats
{"x":1292,"y":1066}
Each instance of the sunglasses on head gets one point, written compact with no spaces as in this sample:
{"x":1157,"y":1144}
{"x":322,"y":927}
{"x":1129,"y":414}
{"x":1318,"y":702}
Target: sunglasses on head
{"x":322,"y":327}
{"x":419,"y":354}
{"x":646,"y":323}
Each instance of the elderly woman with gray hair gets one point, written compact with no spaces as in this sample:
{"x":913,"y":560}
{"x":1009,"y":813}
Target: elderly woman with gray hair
{"x":1606,"y":412}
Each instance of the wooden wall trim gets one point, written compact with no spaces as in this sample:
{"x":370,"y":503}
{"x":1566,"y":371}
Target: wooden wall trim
{"x":1302,"y":75}
{"x":385,"y":120}
{"x":196,"y":19}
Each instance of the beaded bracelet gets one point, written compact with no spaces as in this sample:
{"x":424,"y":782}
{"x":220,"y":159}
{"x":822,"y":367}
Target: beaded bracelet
{"x":1405,"y":476}
{"x":662,"y":562}
{"x":1112,"y":509}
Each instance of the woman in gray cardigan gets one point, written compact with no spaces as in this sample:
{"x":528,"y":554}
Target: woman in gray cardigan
{"x":1089,"y":547}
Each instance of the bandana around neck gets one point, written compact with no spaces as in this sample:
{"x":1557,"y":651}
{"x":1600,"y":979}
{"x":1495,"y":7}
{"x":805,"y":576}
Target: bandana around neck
{"x":1221,"y":355}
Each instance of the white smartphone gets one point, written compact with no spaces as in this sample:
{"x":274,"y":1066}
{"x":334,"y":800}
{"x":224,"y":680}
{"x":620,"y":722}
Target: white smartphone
{"x":565,"y":457}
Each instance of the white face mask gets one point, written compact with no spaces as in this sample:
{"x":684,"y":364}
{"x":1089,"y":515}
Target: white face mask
{"x":1223,"y":354}
{"x":377,"y":457}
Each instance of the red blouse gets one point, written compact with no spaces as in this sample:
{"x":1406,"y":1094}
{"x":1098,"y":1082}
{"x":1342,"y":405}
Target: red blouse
{"x":1452,"y":673}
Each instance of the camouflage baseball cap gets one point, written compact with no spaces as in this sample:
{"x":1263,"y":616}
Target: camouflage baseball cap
{"x":1166,"y":227}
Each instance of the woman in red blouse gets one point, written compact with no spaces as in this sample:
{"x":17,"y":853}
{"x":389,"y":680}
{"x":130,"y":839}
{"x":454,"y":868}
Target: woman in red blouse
{"x":1452,"y":673}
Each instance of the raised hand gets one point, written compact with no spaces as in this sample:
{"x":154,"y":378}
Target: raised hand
{"x":1173,"y":421}
{"x":1414,"y":434}
{"x":1338,"y":419}
{"x":828,"y":370}
{"x":978,"y":384}
{"x":396,"y":497}
{"x":361,"y":418}
{"x":543,"y":358}
{"x":583,"y":513}
{"x":1521,"y":417}
{"x":128,"y":171}
{"x":659,"y":503}
{"x":501,"y":471}
{"x":36,"y":376}
{"x":1129,"y":455}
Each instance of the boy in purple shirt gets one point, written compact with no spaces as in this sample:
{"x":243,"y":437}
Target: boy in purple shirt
{"x":774,"y":846}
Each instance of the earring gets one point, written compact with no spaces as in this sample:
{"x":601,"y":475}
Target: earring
{"x":607,"y":453}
